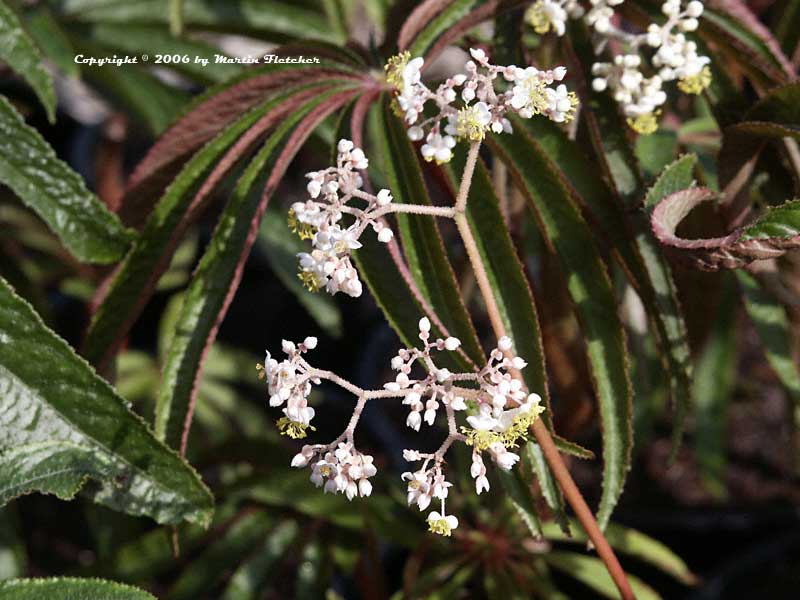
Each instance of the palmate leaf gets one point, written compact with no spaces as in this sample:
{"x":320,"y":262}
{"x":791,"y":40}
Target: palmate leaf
{"x":218,"y":274}
{"x":444,"y":16}
{"x":150,"y":100}
{"x":633,"y":245}
{"x":772,"y":235}
{"x":19,"y":52}
{"x":592,"y":572}
{"x":29,"y":166}
{"x":135,"y":39}
{"x":422,"y":242}
{"x":633,"y":543}
{"x":139,"y":272}
{"x":62,"y":425}
{"x":206,"y":117}
{"x":774,"y":330}
{"x":276,"y":20}
{"x":713,"y":386}
{"x":227,"y":551}
{"x":590,"y":288}
{"x":255,"y":573}
{"x":48,"y":33}
{"x":70,"y":588}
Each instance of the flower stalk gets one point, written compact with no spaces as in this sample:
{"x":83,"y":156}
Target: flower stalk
{"x":540,"y":432}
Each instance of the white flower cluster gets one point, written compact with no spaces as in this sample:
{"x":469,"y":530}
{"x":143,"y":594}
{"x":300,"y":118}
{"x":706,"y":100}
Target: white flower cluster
{"x":437,"y":385}
{"x":319,"y":219}
{"x":289,"y":382}
{"x":500,"y":415}
{"x":344,"y":470}
{"x":673,"y":57}
{"x":482,"y":107}
{"x":504,"y":412}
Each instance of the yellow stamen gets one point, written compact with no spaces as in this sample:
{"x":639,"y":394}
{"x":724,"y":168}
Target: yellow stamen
{"x":439,"y":526}
{"x":537,"y":18}
{"x":394,"y":68}
{"x":573,"y":102}
{"x":518,"y":430}
{"x":309,"y":281}
{"x":303,"y":230}
{"x":645,"y":124}
{"x":293,"y":429}
{"x":696,"y":83}
{"x":468,"y":126}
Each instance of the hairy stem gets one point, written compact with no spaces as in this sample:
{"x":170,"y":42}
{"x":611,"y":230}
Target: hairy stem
{"x":540,"y":432}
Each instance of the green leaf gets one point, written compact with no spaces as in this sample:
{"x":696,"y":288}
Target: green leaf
{"x":213,"y":279}
{"x":123,"y":301}
{"x":153,"y":102}
{"x":608,"y":132}
{"x":714,"y":381}
{"x":278,"y":20}
{"x":774,"y":329}
{"x":590,"y":288}
{"x":59,"y":196}
{"x":62,"y":425}
{"x":521,"y":499}
{"x":777,"y":223}
{"x":453,"y":12}
{"x":69,"y":588}
{"x":668,"y":314}
{"x":135,"y":39}
{"x":19,"y":52}
{"x":655,"y":151}
{"x":255,"y":574}
{"x":203,"y":574}
{"x":592,"y":572}
{"x":744,"y":43}
{"x":631,"y":542}
{"x":422,"y":242}
{"x":281,"y":247}
{"x":54,"y":42}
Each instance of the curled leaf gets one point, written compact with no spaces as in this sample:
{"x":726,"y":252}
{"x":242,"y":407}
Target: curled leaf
{"x":777,"y":231}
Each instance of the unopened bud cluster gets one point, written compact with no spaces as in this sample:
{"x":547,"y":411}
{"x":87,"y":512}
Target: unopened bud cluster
{"x":498,"y":413}
{"x":647,"y":60}
{"x":467,"y":105}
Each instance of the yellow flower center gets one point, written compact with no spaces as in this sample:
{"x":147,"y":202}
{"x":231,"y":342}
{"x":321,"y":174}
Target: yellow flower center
{"x":439,"y":526}
{"x":696,"y":83}
{"x":293,"y":429}
{"x":325,"y":471}
{"x":645,"y":124}
{"x":394,"y":69}
{"x":414,"y":484}
{"x":518,"y":430}
{"x":303,"y":230}
{"x":309,"y":281}
{"x":537,"y":17}
{"x":573,"y":106}
{"x":468,"y":125}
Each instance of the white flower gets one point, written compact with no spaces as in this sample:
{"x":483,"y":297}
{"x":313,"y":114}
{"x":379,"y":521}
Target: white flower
{"x":384,"y":197}
{"x":419,"y":489}
{"x":442,"y":524}
{"x":452,"y":343}
{"x":438,"y":148}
